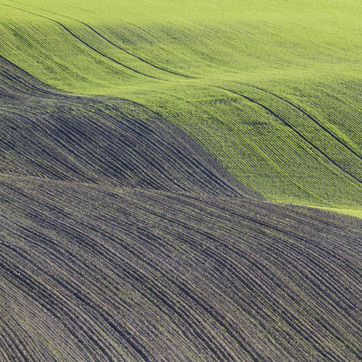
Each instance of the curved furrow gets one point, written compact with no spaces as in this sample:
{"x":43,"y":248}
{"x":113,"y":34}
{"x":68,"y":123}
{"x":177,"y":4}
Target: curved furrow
{"x":108,"y":41}
{"x":27,"y":142}
{"x":16,"y":83}
{"x":79,"y":326}
{"x":131,"y":225}
{"x":135,"y":278}
{"x":13,"y":344}
{"x":83,"y":42}
{"x":138,"y":278}
{"x":257,"y":283}
{"x":331,"y":272}
{"x":99,"y":140}
{"x":298,"y":133}
{"x":230,"y":276}
{"x":194,"y":163}
{"x":121,"y":239}
{"x":313,"y":119}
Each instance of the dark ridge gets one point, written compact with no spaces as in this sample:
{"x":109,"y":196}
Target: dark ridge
{"x":15,"y":83}
{"x":49,"y":134}
{"x":122,"y":240}
{"x":95,"y":273}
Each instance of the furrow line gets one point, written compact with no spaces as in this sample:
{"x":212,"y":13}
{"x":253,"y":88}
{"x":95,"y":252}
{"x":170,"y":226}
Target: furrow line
{"x":83,"y":42}
{"x":325,"y":129}
{"x":297,"y":132}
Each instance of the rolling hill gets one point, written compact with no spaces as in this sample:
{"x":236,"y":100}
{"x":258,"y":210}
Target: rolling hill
{"x":52,"y":135}
{"x":150,"y":157}
{"x":94,"y":273}
{"x":271,"y":90}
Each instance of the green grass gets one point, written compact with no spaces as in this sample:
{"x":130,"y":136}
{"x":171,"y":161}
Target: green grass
{"x":122,"y":239}
{"x":293,"y":139}
{"x":350,"y":212}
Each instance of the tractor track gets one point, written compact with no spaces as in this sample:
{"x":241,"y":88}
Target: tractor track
{"x":300,"y":135}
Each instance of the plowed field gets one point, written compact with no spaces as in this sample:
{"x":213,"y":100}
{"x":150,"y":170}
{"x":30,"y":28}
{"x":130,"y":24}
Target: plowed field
{"x":143,"y":148}
{"x":89,"y":273}
{"x":271,"y":90}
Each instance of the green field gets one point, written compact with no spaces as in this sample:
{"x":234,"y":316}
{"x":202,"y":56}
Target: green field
{"x":173,"y":179}
{"x":271,"y":89}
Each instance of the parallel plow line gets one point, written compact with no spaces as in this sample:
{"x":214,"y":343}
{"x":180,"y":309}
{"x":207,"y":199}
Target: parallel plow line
{"x":108,"y":41}
{"x":102,"y":140}
{"x":318,"y":123}
{"x":83,"y":42}
{"x":305,"y":139}
{"x":205,"y":266}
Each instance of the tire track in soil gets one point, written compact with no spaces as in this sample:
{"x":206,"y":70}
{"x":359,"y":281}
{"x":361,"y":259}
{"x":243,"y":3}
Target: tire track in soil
{"x":325,"y":129}
{"x":83,"y":42}
{"x":110,"y":42}
{"x":295,"y":131}
{"x":191,"y":272}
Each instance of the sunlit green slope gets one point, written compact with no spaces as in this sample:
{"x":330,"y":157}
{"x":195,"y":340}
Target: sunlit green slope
{"x":271,"y":89}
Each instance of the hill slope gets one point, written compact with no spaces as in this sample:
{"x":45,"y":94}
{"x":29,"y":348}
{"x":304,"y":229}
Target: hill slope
{"x":46,"y":133}
{"x":98,"y":274}
{"x":132,"y":219}
{"x":123,"y":240}
{"x":270,"y":89}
